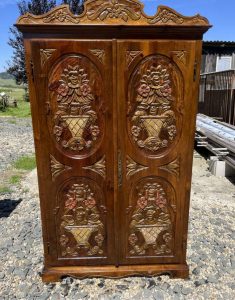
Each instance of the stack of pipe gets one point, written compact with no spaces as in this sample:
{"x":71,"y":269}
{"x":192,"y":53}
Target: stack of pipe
{"x":221,"y":133}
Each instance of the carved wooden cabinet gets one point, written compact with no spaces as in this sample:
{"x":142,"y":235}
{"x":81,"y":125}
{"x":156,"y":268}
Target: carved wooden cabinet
{"x":114,"y":97}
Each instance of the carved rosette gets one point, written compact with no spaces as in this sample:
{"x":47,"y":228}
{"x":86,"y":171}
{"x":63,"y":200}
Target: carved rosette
{"x":82,"y":230}
{"x":151,"y":230}
{"x":76,"y":126}
{"x":153,"y":105}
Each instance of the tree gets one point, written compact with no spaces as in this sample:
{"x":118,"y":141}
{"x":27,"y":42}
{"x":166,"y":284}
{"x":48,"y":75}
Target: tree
{"x":17,"y":65}
{"x":76,"y":6}
{"x":37,"y":7}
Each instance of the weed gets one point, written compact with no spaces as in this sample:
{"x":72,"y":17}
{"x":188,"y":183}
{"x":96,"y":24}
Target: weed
{"x":15,"y":179}
{"x":27,"y":163}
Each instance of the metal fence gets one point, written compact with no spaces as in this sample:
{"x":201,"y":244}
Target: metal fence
{"x":217,"y":95}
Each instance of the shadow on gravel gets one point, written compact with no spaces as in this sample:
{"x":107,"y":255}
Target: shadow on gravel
{"x":7,"y":206}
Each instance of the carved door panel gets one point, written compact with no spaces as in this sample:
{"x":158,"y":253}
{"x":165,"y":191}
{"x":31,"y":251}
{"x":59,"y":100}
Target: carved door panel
{"x":155,"y":84}
{"x":74,"y":85}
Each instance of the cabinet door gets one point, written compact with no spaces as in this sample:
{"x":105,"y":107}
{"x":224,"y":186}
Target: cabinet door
{"x":156,"y":120}
{"x":73,"y":127}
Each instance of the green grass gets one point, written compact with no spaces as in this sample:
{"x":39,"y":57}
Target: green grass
{"x":26,"y":163}
{"x":4,"y":190}
{"x":15,"y":179}
{"x":23,"y":108}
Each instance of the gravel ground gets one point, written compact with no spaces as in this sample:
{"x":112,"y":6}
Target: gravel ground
{"x":16,"y":140}
{"x":211,"y":242}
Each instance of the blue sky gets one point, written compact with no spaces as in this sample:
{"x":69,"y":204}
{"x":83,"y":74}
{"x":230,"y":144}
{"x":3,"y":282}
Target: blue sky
{"x":219,"y":12}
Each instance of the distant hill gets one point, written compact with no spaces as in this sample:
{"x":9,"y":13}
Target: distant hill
{"x":5,"y":75}
{"x":8,"y":81}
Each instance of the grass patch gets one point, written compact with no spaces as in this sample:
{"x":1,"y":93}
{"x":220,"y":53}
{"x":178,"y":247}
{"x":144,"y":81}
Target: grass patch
{"x":15,"y":179}
{"x":4,"y":190}
{"x":26,"y":163}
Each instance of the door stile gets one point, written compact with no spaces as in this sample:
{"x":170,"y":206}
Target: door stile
{"x":115,"y":153}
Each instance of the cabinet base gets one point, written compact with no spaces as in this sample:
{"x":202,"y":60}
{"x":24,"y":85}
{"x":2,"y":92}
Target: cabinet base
{"x":53,"y":274}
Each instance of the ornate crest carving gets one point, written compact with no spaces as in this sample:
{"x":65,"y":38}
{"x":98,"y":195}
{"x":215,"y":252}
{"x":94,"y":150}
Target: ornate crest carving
{"x":153,"y":121}
{"x":81,"y":228}
{"x":131,"y":55}
{"x":45,"y":55}
{"x":132,"y":167}
{"x":99,"y":53}
{"x":99,"y":167}
{"x":57,"y":168}
{"x":173,"y":167}
{"x":129,"y":12}
{"x":75,"y":123}
{"x":115,"y":9}
{"x":152,"y":220}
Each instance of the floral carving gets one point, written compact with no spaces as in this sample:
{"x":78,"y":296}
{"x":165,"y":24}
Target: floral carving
{"x":75,"y":122}
{"x":81,"y":228}
{"x":151,"y":228}
{"x":99,"y":167}
{"x":154,"y":121}
{"x":116,"y":11}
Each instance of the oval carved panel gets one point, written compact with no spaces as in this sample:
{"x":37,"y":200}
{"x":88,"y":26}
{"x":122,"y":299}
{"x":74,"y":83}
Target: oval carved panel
{"x":152,"y":221}
{"x":155,"y":100}
{"x":75,"y":91}
{"x":81,"y":219}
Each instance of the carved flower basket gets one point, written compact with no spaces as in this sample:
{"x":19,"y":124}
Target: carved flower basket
{"x":151,"y":232}
{"x":76,"y":124}
{"x":153,"y":124}
{"x":82,"y":233}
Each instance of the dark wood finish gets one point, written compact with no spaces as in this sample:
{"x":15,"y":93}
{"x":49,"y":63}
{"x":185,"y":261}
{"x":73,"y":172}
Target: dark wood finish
{"x":114,"y":120}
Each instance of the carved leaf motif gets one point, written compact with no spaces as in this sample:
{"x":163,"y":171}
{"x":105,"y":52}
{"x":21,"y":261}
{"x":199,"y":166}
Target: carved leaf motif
{"x":173,"y":167}
{"x":57,"y":168}
{"x":181,"y":55}
{"x":131,"y":55}
{"x":100,"y":53}
{"x":61,"y":15}
{"x":99,"y":167}
{"x":166,"y":16}
{"x":45,"y":55}
{"x":115,"y":9}
{"x":133,"y":167}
